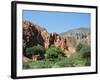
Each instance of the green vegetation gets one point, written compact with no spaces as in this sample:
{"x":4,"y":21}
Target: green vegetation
{"x":54,"y":57}
{"x":38,"y":64}
{"x":29,"y":51}
{"x":79,"y":46}
{"x":36,"y":50}
{"x":53,"y":53}
{"x":84,"y":53}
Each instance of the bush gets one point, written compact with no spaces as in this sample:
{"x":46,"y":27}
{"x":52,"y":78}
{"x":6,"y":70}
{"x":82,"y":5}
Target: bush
{"x":79,"y":46}
{"x":29,"y":51}
{"x":65,"y":62}
{"x":88,"y":62}
{"x":26,"y":65}
{"x":36,"y":50}
{"x":77,"y":61}
{"x":38,"y":64}
{"x":53,"y":53}
{"x":85,"y":51}
{"x":39,"y":50}
{"x":54,"y":57}
{"x":86,"y":54}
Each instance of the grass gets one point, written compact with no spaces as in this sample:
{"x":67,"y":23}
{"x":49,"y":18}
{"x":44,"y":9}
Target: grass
{"x":56,"y":63}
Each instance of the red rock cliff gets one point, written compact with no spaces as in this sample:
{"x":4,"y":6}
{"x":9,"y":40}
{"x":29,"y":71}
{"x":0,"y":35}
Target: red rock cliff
{"x":34,"y":34}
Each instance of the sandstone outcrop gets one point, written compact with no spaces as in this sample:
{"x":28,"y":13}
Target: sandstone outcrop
{"x":34,"y":34}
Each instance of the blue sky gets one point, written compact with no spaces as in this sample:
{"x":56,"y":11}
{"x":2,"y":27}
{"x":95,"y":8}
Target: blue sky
{"x":57,"y":21}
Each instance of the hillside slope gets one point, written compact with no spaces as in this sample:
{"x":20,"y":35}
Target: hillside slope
{"x":81,"y":35}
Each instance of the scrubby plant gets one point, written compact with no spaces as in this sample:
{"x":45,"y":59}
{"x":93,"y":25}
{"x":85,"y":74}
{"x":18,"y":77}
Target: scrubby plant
{"x":53,"y":53}
{"x":39,"y":50}
{"x":85,"y":51}
{"x":29,"y":51}
{"x":65,"y":62}
{"x":79,"y":46}
{"x":35,"y":50}
{"x":27,"y":65}
{"x":54,"y":57}
{"x":38,"y":64}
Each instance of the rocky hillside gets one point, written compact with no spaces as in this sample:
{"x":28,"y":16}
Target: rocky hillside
{"x":81,"y":35}
{"x":34,"y":34}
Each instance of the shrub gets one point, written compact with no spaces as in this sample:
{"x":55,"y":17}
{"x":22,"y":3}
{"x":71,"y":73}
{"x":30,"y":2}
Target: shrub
{"x":88,"y":62}
{"x":29,"y":51}
{"x":65,"y":62}
{"x":53,"y":53}
{"x":38,"y":64}
{"x":85,"y":51}
{"x":36,"y":50}
{"x":77,"y":61}
{"x":84,"y":55}
{"x":79,"y":46}
{"x":26,"y":65}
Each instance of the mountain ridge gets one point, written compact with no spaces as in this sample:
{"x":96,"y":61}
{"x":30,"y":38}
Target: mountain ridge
{"x":81,"y":35}
{"x":76,"y":30}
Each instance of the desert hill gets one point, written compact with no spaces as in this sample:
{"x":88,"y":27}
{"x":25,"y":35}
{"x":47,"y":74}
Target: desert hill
{"x":81,"y":35}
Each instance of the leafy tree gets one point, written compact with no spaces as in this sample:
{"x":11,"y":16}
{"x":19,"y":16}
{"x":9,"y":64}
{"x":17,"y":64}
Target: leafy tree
{"x":53,"y":53}
{"x":36,"y":50}
{"x":39,"y":50}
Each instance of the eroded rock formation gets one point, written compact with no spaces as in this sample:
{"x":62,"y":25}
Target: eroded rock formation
{"x":34,"y":34}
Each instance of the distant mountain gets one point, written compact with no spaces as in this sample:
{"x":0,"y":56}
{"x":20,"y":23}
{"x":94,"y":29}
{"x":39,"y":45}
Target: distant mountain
{"x":82,"y":35}
{"x":77,"y":31}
